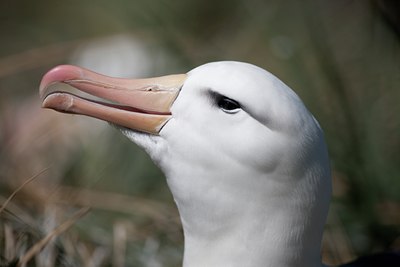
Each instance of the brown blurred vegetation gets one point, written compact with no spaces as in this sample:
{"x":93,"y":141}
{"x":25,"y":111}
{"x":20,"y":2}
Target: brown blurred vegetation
{"x":342,"y":57}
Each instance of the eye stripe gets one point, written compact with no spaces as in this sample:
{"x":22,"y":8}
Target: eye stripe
{"x":228,"y":104}
{"x":225,"y":103}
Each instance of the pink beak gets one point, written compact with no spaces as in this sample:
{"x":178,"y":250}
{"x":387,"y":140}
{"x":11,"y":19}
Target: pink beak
{"x":139,"y":104}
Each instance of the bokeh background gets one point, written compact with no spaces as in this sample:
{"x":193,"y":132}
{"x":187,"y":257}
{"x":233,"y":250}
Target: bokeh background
{"x":342,"y":57}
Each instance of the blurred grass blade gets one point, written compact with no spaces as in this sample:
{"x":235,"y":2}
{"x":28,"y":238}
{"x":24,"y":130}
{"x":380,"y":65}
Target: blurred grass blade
{"x":19,"y":188}
{"x":35,"y":249}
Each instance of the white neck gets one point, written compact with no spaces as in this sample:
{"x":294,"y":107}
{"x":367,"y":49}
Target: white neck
{"x":244,"y":212}
{"x":259,"y":230}
{"x":251,"y":244}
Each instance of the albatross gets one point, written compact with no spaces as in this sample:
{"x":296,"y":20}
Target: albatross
{"x":245,"y":160}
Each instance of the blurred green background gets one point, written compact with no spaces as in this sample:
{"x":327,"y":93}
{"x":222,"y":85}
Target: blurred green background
{"x":342,"y":57}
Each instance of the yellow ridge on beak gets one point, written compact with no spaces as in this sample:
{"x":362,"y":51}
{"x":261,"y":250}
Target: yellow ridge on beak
{"x":138,"y":104}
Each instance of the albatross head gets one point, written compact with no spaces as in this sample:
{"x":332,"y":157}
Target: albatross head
{"x":245,"y":160}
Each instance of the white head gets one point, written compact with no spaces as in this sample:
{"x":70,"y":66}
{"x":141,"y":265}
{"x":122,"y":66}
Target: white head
{"x":246,"y":162}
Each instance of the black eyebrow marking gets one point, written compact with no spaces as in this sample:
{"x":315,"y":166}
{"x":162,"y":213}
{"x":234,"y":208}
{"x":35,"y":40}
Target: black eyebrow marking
{"x":215,"y":97}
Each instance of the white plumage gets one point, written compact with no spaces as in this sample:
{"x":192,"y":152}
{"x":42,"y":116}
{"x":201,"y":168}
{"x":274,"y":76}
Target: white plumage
{"x":246,"y":162}
{"x":252,"y":187}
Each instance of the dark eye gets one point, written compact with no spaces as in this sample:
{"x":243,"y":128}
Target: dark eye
{"x":228,"y":105}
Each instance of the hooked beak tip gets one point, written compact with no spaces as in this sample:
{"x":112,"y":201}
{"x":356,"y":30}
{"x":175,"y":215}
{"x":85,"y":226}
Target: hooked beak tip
{"x":59,"y":74}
